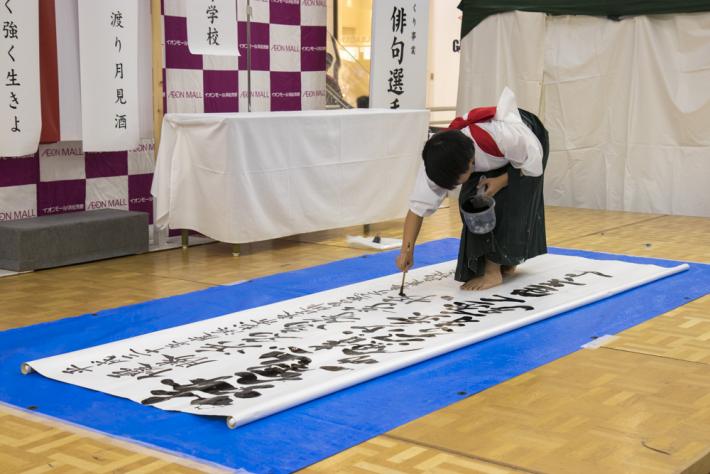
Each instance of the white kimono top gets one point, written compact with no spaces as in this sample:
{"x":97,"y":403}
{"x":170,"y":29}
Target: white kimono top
{"x":517,"y":144}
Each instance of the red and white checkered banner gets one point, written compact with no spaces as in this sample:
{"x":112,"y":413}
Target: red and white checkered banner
{"x":212,"y":27}
{"x":108,"y":46}
{"x":287,"y":59}
{"x":288,"y":62}
{"x":21,"y":122}
{"x":61,"y":177}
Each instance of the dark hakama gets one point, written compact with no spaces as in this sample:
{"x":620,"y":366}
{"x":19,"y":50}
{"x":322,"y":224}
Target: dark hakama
{"x":520,"y":217}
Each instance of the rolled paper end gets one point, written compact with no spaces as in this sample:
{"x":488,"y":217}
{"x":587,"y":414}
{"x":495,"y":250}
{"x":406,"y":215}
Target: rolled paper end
{"x":231,"y":422}
{"x":26,"y":369}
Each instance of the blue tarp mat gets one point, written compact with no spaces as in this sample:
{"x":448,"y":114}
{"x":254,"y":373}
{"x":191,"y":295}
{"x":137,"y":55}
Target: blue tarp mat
{"x":316,"y":430}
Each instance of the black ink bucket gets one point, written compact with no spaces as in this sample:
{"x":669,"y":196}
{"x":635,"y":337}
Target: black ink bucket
{"x":479,"y":214}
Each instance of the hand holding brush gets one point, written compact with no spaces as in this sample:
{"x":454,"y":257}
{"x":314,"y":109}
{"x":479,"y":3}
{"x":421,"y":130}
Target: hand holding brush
{"x":404,"y":262}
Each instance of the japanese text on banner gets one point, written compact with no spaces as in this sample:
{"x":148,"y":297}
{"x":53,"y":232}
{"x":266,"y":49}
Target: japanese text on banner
{"x":19,"y":72}
{"x":399,"y":66}
{"x":212,"y":27}
{"x":108,"y":43}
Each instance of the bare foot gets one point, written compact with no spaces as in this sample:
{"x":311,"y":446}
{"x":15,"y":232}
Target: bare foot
{"x":507,"y":270}
{"x":491,"y":278}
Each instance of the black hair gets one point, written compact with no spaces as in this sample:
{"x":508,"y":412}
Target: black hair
{"x":447,"y":155}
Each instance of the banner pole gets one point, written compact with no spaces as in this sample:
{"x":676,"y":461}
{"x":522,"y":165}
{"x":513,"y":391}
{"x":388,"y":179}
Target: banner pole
{"x":156,"y":17}
{"x":157,"y":41}
{"x":249,"y":55}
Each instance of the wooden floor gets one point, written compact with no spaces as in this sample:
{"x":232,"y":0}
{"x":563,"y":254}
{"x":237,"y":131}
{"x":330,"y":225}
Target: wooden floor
{"x":638,"y":404}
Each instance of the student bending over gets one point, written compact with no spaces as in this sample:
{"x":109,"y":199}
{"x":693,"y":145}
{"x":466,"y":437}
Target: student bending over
{"x":504,"y":149}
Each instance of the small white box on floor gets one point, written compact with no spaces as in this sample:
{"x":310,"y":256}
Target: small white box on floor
{"x":383,"y":243}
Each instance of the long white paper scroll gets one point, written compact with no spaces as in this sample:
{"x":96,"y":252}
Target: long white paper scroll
{"x":253,"y":363}
{"x":398,"y":77}
{"x":212,"y":27}
{"x":21,"y":122}
{"x":108,"y":48}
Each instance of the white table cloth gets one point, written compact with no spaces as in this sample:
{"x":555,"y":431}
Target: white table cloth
{"x":244,"y":177}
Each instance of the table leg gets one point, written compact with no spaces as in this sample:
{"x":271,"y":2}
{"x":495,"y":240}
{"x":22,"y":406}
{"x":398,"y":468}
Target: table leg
{"x":185,"y":238}
{"x":236,"y":250}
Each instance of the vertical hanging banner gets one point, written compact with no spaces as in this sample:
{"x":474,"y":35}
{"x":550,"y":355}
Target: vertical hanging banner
{"x":108,"y":49}
{"x":212,"y":27}
{"x":21,"y":122}
{"x":399,"y":54}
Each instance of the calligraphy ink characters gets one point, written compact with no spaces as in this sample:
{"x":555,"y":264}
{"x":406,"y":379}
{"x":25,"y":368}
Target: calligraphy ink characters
{"x":13,"y":83}
{"x":404,"y":25}
{"x":504,"y":150}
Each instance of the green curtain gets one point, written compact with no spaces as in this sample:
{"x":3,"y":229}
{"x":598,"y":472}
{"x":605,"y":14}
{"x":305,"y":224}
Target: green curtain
{"x":475,"y":11}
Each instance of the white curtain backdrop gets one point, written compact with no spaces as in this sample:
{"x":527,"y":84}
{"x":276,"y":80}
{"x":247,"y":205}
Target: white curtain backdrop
{"x":627,"y":103}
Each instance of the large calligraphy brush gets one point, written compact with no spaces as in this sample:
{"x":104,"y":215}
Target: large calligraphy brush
{"x":404,"y":274}
{"x":401,"y":288}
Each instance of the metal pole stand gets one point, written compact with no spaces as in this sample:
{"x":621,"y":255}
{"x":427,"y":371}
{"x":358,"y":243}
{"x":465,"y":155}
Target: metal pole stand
{"x":249,"y":55}
{"x":236,"y":248}
{"x":185,"y":238}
